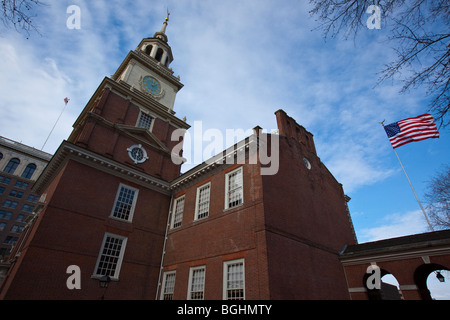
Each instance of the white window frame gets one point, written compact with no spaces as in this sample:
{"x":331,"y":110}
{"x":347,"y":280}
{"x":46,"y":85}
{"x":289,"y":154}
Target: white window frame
{"x":227,"y":185}
{"x":148,"y":115}
{"x":191,"y":275}
{"x":164,"y":283}
{"x":133,"y":204}
{"x":114,"y":276}
{"x":225,"y":277}
{"x":197,"y":199}
{"x":175,"y":212}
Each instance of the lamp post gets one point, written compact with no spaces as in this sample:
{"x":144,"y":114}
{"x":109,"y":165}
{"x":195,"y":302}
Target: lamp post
{"x":103,"y":283}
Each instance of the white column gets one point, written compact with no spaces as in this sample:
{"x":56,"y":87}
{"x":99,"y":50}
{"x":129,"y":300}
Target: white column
{"x":154,"y":49}
{"x":163,"y":58}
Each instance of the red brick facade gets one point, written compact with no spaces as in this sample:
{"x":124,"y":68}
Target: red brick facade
{"x":288,"y":230}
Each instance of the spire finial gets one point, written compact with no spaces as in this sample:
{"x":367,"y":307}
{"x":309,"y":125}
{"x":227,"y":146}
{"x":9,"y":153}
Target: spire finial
{"x":163,"y":29}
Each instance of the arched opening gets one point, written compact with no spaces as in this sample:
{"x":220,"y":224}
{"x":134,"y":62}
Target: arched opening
{"x":388,"y":290}
{"x":425,"y":279}
{"x":148,"y":49}
{"x":159,"y":54}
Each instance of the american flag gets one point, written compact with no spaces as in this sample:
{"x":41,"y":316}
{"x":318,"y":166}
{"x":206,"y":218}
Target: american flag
{"x":411,"y":129}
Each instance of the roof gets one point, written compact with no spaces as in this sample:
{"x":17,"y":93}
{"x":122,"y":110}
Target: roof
{"x":422,"y":241}
{"x":23,"y":148}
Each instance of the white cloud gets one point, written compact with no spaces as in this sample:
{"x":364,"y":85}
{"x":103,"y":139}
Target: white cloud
{"x":32,"y":92}
{"x":239,"y":64}
{"x":395,"y":225}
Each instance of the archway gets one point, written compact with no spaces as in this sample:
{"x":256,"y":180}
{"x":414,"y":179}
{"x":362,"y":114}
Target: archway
{"x":389,"y":287}
{"x":421,"y":275}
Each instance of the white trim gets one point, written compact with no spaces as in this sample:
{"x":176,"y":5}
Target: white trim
{"x":163,"y":287}
{"x":392,"y":256}
{"x":408,"y":287}
{"x":197,"y":198}
{"x":133,"y":205}
{"x":227,"y":179}
{"x":357,"y":290}
{"x":115,"y":276}
{"x":174,"y":209}
{"x":191,"y":273}
{"x":148,"y":113}
{"x":225,"y":276}
{"x":144,"y":153}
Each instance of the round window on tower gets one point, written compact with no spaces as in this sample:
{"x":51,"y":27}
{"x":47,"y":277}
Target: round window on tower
{"x":137,"y":153}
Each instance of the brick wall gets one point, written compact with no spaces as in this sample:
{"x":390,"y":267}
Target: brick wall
{"x":70,"y":231}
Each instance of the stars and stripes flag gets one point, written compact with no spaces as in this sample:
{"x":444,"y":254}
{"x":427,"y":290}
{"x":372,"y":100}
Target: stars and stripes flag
{"x":411,"y":129}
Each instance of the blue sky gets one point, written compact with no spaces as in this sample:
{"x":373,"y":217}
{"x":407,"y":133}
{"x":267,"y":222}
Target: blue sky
{"x":240,"y":61}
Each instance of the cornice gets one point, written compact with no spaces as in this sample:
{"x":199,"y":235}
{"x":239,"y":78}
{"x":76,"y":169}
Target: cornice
{"x":225,"y":158}
{"x":68,"y":151}
{"x":390,"y":256}
{"x":411,"y":247}
{"x":150,"y":139}
{"x":135,"y":96}
{"x":24,"y":149}
{"x":149,"y":63}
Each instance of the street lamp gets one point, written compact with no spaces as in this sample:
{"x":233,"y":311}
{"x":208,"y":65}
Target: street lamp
{"x":104,"y":282}
{"x":440,"y":277}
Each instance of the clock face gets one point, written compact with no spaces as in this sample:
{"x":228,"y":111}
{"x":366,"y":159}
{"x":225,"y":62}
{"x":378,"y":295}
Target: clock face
{"x":151,"y":85}
{"x":137,"y":153}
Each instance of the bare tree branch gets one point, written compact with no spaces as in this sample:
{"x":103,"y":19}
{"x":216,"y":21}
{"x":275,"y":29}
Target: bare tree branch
{"x":438,"y":199}
{"x":20,"y":14}
{"x":419,"y":33}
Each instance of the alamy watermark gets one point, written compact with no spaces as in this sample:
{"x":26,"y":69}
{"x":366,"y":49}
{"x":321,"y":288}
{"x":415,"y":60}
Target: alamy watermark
{"x":374,"y":280}
{"x":374,"y":21}
{"x":74,"y":20}
{"x":74,"y":280}
{"x":247,"y":146}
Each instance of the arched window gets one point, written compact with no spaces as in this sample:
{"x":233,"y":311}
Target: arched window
{"x":29,"y":170}
{"x":12,"y":166}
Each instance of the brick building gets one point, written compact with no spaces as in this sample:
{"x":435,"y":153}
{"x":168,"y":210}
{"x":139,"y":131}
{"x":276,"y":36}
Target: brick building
{"x":114,"y":205}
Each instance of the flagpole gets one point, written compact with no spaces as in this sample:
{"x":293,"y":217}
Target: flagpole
{"x":66,"y":102}
{"x":417,"y":198}
{"x":412,"y":188}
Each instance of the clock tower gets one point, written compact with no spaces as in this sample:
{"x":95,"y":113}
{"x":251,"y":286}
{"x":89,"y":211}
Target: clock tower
{"x":147,"y":69}
{"x":106,"y":192}
{"x":130,"y":118}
